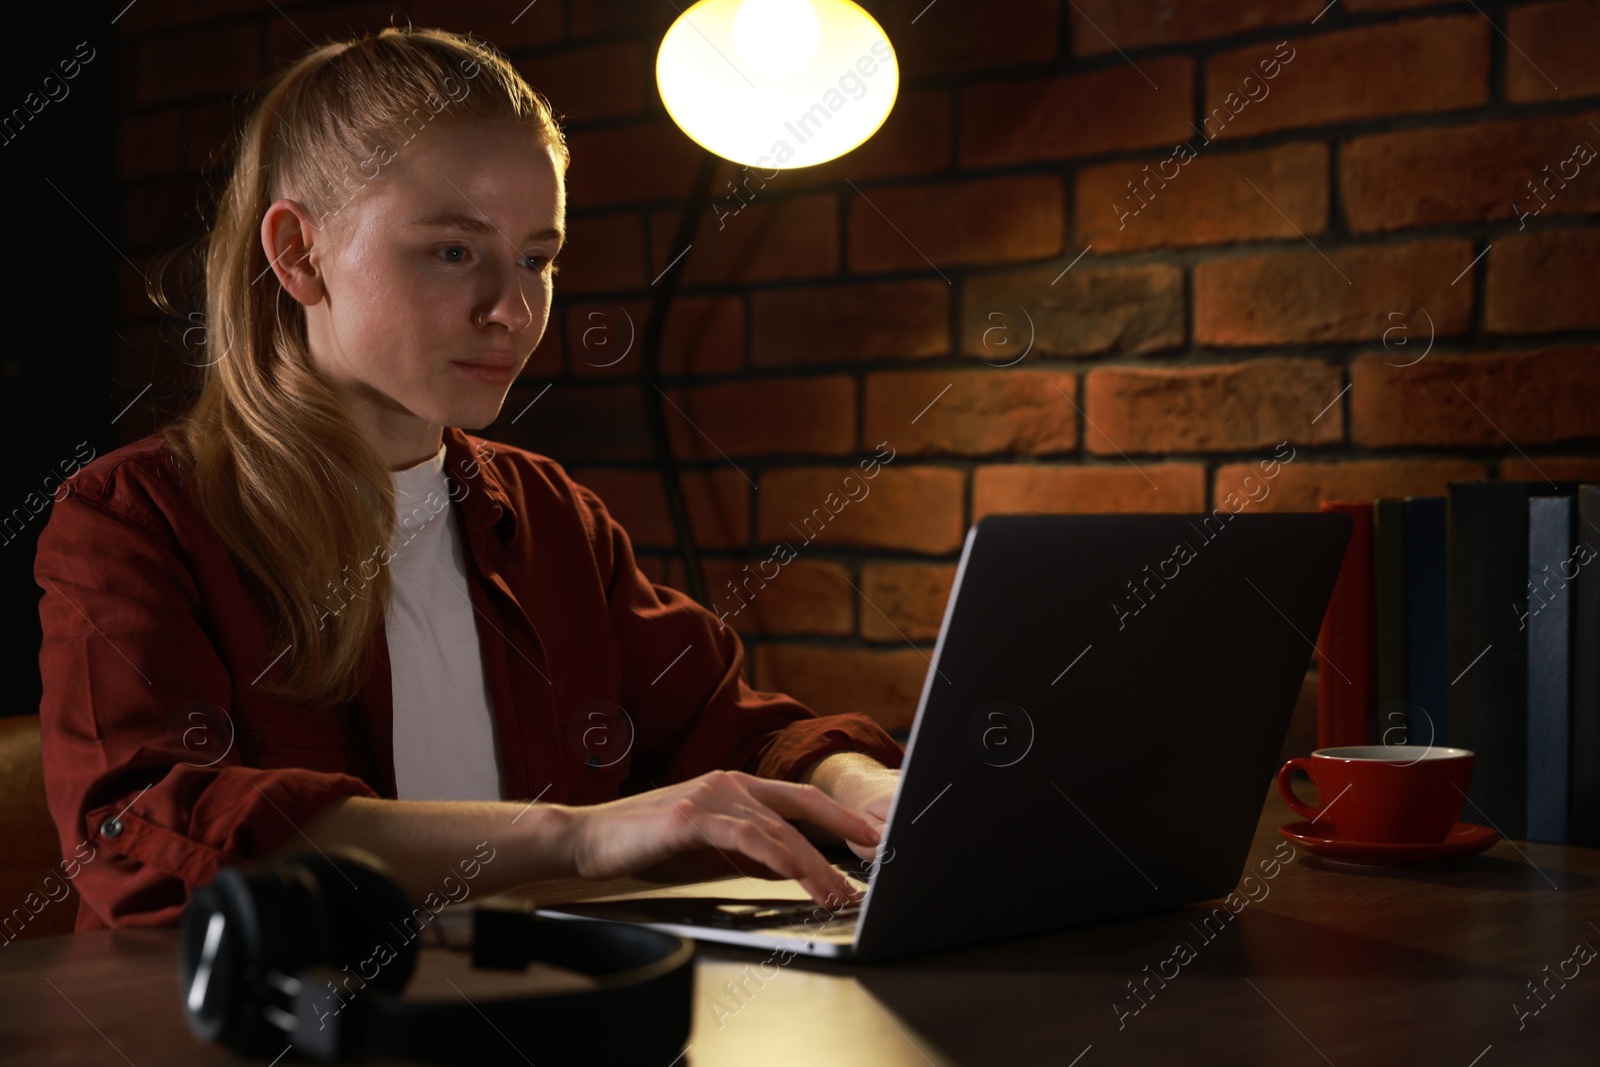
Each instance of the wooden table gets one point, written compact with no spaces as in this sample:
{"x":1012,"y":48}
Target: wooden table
{"x":1328,"y":964}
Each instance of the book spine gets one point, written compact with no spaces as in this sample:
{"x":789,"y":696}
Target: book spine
{"x":1426,"y":657}
{"x":1389,"y":725}
{"x":1486,"y":559}
{"x":1345,"y":689}
{"x":1584,"y":804}
{"x":1547,"y":620}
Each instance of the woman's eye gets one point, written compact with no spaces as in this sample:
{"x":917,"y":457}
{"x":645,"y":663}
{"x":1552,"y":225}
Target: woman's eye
{"x":538,"y":264}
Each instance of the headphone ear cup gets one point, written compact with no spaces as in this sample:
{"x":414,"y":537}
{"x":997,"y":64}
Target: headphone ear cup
{"x":370,"y":923}
{"x":247,"y":923}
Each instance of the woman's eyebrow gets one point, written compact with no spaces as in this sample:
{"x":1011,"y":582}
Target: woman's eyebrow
{"x":474,"y":224}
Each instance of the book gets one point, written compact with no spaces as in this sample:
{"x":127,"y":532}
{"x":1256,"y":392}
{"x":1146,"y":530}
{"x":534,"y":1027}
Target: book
{"x":1389,"y":722}
{"x":1426,"y":657}
{"x":1486,"y":561}
{"x":1583,"y":814}
{"x":1345,"y":689}
{"x":1546,"y":621}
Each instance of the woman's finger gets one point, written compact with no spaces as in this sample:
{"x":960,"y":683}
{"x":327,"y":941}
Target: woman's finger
{"x":793,"y":800}
{"x":750,"y":838}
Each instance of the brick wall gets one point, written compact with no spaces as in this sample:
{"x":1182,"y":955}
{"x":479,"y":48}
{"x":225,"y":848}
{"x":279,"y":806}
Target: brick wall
{"x":1345,"y":200}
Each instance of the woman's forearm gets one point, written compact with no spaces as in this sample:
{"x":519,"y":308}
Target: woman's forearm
{"x":426,"y":841}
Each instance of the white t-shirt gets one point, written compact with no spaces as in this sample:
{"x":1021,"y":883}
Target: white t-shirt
{"x":444,"y":739}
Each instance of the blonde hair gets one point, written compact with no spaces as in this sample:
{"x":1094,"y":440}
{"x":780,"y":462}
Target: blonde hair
{"x":279,"y":468}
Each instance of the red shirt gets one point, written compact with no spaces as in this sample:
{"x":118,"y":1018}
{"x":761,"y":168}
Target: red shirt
{"x":164,"y":761}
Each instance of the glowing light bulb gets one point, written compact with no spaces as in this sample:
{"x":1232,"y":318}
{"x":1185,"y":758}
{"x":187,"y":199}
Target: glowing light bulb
{"x":775,"y":38}
{"x":777,"y":83}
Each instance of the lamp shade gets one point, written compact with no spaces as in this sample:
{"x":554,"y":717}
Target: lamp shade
{"x":777,"y":83}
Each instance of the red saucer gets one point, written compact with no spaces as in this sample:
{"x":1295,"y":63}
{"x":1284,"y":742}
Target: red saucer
{"x":1464,"y":839}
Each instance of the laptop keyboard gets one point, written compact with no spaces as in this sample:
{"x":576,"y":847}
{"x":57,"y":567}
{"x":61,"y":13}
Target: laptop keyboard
{"x":761,"y":916}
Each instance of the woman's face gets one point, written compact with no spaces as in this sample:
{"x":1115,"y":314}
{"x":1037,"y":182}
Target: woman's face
{"x":440,"y":261}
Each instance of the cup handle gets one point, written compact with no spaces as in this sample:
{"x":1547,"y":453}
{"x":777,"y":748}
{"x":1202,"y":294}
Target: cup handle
{"x":1286,"y":789}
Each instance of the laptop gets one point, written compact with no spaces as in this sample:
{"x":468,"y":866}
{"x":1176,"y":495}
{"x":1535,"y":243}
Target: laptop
{"x":1101,"y":718}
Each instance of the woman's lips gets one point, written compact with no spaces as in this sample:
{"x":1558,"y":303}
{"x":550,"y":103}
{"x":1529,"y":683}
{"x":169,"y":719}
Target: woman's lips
{"x":487,"y":373}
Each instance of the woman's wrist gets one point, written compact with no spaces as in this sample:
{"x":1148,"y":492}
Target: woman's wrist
{"x":834,"y":773}
{"x":422,"y":841}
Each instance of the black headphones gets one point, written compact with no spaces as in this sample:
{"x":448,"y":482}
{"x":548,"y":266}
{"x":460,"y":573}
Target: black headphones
{"x":267,"y":952}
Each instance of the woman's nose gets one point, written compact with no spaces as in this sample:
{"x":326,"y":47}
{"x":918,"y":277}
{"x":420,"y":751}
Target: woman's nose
{"x":510,"y":308}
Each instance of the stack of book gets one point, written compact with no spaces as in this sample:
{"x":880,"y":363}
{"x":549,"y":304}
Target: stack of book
{"x":1473,"y":620}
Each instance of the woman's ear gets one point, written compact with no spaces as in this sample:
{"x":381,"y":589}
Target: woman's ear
{"x":290,"y":240}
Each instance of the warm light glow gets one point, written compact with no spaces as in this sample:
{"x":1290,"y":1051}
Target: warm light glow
{"x":777,"y":37}
{"x":777,"y":83}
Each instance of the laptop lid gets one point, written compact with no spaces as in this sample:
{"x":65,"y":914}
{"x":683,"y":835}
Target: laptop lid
{"x":1104,"y":711}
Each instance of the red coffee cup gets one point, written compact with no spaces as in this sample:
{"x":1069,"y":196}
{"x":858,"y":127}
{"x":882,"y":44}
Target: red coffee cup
{"x":1409,"y":794}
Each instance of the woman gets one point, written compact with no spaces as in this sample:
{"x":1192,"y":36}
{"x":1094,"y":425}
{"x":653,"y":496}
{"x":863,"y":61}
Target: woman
{"x":314,"y":611}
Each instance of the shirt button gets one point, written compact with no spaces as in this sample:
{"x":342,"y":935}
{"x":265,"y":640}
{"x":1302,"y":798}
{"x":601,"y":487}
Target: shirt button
{"x":112,"y":827}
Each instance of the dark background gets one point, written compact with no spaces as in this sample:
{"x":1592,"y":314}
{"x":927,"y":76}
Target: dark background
{"x":1274,"y":292}
{"x":60,"y":381}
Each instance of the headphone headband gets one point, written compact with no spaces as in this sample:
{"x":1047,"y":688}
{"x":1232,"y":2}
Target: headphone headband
{"x":265,"y":949}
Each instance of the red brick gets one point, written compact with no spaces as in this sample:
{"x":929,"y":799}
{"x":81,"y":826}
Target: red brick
{"x":952,"y":38}
{"x":602,"y":252}
{"x":1088,"y":310}
{"x":575,"y":424}
{"x":592,"y":82}
{"x":208,"y":132}
{"x":630,"y":164}
{"x":137,"y":20}
{"x":1303,"y":297}
{"x":1071,"y":115}
{"x":1082,"y":490}
{"x":718,"y":502}
{"x":1207,"y":200}
{"x":147,"y":145}
{"x":914,"y":139}
{"x":1408,"y":178}
{"x":1543,"y":282}
{"x":161,"y":212}
{"x":999,"y":220}
{"x":201,"y":11}
{"x":762,"y":416}
{"x":508,"y":24}
{"x":843,"y":323}
{"x":196,"y":63}
{"x":770,"y":596}
{"x":1556,"y":468}
{"x":1555,"y":44}
{"x":703,"y":335}
{"x":973,"y":413}
{"x":1302,"y":484}
{"x":603,"y":338}
{"x":797,"y":237}
{"x":1431,"y":64}
{"x":620,"y":16}
{"x":863,"y":507}
{"x":1222,"y":408}
{"x":832,"y":681}
{"x":289,"y":38}
{"x":1108,"y":25}
{"x":1479,"y":399}
{"x":904,"y":601}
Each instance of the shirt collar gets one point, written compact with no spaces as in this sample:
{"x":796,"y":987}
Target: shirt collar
{"x":482,"y":496}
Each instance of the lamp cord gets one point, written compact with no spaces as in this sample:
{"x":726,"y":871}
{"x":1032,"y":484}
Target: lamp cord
{"x":666,"y":288}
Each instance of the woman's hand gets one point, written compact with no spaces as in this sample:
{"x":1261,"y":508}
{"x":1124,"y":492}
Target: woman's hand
{"x":738,"y":814}
{"x":861,"y":784}
{"x":868,"y":792}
